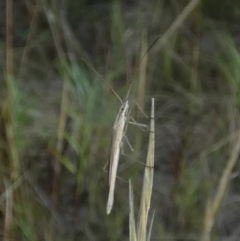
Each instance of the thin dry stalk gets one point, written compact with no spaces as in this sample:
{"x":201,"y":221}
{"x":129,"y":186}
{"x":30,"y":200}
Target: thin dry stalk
{"x":10,"y":189}
{"x":150,"y":227}
{"x":142,"y":71}
{"x":147,"y":183}
{"x":232,"y":137}
{"x":213,"y":206}
{"x":9,"y":26}
{"x":132,"y":224}
{"x":33,"y":26}
{"x":44,"y":199}
{"x":53,"y":18}
{"x":196,"y":50}
{"x":8,"y":222}
{"x":13,"y":151}
{"x":142,"y":83}
{"x":160,"y":41}
{"x":59,"y":146}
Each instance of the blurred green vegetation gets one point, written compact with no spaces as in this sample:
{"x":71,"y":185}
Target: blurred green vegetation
{"x":56,"y":117}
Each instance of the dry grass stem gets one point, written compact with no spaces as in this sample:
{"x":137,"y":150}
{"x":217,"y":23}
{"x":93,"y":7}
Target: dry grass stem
{"x":213,"y":206}
{"x":59,"y":144}
{"x":150,"y":227}
{"x":132,"y":224}
{"x":8,"y":222}
{"x":147,"y":183}
{"x":11,"y":188}
{"x":142,"y":71}
{"x":174,"y":26}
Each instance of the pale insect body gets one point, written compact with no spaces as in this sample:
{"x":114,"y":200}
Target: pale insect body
{"x":117,"y":135}
{"x":118,"y":129}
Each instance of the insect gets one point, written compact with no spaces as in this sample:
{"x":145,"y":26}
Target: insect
{"x":117,"y":135}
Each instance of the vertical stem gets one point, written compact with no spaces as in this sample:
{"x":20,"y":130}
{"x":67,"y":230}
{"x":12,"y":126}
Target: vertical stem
{"x":196,"y":52}
{"x":9,"y":117}
{"x":214,"y":205}
{"x":9,"y":25}
{"x":8,"y":222}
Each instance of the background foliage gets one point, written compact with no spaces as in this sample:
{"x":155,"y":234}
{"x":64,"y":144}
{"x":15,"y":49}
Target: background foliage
{"x":57,"y":114}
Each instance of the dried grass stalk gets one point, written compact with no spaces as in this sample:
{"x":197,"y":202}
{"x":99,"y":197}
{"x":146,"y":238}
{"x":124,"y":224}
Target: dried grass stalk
{"x":150,"y":227}
{"x":147,"y":183}
{"x":132,"y":225}
{"x":213,"y":206}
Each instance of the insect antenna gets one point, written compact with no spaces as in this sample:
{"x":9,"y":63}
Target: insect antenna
{"x":102,"y":79}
